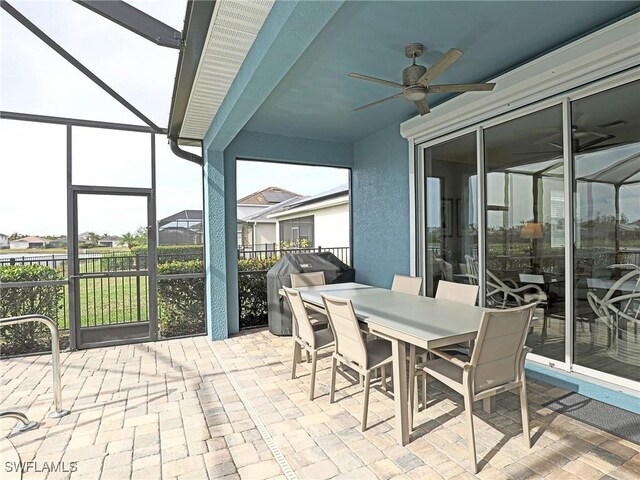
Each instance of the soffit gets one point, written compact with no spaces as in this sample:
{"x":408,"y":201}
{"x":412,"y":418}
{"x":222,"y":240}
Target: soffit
{"x":233,"y":30}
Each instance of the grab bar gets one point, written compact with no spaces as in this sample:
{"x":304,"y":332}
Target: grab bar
{"x":55,"y":360}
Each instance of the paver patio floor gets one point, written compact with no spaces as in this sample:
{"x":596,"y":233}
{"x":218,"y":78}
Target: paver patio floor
{"x":192,"y":408}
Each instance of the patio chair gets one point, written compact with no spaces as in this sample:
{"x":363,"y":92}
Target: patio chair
{"x":311,"y":279}
{"x":454,"y":292}
{"x":504,"y":293}
{"x":305,"y":337}
{"x":351,"y":349}
{"x":619,"y":309}
{"x":496,"y":365}
{"x":406,"y":284}
{"x":411,"y":286}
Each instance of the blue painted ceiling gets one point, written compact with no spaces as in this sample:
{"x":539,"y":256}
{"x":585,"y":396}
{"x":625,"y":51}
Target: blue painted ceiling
{"x":316,"y":98}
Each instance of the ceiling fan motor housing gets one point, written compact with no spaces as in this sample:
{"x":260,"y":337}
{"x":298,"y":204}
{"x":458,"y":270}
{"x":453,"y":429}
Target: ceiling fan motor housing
{"x":412,"y":74}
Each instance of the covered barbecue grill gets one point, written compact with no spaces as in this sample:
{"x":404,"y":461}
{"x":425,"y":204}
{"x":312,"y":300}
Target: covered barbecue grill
{"x":334,"y":270}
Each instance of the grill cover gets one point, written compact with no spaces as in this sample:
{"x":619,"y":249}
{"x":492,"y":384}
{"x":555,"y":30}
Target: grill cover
{"x":335,"y":271}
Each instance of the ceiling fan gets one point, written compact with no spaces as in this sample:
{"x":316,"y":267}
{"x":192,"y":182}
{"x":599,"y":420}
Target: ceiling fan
{"x":584,"y":138}
{"x":416,"y":79}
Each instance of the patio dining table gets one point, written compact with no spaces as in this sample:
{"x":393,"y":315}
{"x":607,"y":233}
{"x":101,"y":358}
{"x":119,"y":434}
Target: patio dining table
{"x":403,"y":319}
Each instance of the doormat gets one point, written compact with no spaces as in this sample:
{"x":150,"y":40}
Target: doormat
{"x":619,"y":422}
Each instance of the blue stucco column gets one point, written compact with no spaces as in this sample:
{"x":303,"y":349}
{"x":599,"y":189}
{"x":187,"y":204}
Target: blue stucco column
{"x":220,"y":245}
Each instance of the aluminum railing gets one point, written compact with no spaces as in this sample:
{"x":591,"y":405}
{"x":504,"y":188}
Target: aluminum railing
{"x":55,"y":364}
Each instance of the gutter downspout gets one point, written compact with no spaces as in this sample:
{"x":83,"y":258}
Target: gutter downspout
{"x":192,"y":157}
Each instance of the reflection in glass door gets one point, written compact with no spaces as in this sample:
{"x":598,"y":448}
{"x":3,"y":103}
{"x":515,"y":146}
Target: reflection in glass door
{"x":451,"y":212}
{"x":111,"y":278}
{"x":525,"y":223}
{"x":606,"y":137}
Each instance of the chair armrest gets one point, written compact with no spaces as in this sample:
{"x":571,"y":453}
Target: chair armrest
{"x":451,"y":359}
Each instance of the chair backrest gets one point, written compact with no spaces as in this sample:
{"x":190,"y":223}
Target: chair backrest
{"x":457,"y":292}
{"x":346,"y":331}
{"x":302,"y":328}
{"x":472,"y":269}
{"x":617,"y":301}
{"x":308,"y":279}
{"x":405,"y":284}
{"x":497,"y":357}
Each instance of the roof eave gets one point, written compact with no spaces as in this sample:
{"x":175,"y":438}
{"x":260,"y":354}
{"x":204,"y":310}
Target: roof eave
{"x":196,"y":26}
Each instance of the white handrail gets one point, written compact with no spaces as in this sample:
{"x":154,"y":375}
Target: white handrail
{"x":55,"y":356}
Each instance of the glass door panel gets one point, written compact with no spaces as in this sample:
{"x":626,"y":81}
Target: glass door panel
{"x":606,"y":146}
{"x":526,"y":225}
{"x":112,"y":268}
{"x":451,"y":212}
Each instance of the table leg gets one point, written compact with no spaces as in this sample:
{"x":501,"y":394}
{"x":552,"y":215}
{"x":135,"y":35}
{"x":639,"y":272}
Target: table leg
{"x":489,"y":404}
{"x":412,"y":383}
{"x":400,"y":391}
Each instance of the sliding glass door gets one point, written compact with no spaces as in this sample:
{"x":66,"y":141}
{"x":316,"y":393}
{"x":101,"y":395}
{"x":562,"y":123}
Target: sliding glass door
{"x":525,"y":223}
{"x":451,"y":212}
{"x":606,"y":158}
{"x":543,"y":206}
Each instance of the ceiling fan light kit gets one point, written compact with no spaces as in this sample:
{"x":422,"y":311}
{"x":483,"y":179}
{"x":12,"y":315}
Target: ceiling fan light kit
{"x":416,"y":79}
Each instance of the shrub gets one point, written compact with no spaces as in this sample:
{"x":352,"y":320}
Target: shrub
{"x":119,"y":262}
{"x":252,"y":290}
{"x":181,"y":305}
{"x":257,"y":263}
{"x":42,"y":299}
{"x":171,"y":253}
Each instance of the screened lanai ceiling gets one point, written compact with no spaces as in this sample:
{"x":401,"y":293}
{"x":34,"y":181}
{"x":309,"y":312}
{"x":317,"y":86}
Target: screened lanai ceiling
{"x":36,"y":80}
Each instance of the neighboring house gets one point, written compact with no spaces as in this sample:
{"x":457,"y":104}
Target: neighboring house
{"x":84,"y":237}
{"x":28,"y":242}
{"x":110,"y":242}
{"x":4,"y":241}
{"x":322,"y":220}
{"x":258,"y":231}
{"x":181,"y":228}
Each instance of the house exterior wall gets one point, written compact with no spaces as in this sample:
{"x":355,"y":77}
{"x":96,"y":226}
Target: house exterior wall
{"x":380,"y":203}
{"x":19,"y":245}
{"x":4,"y":241}
{"x":330,"y":225}
{"x":265,"y":233}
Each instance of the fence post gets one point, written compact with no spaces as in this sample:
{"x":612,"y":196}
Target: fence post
{"x":319,"y":249}
{"x":138,"y":284}
{"x":12,"y":261}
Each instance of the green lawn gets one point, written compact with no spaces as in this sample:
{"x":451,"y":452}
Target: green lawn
{"x":105,"y":301}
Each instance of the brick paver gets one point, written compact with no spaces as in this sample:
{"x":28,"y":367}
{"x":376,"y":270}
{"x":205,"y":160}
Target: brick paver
{"x":179,"y":409}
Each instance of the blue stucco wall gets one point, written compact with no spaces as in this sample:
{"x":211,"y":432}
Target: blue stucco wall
{"x":263,"y":146}
{"x":380,"y":203}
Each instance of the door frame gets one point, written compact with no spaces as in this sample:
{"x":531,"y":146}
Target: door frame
{"x":73,"y":259}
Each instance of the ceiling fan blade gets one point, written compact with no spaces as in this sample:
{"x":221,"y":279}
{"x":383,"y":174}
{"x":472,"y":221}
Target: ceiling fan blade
{"x":423,"y":107}
{"x":440,"y":66}
{"x":592,"y":143}
{"x":549,"y":152}
{"x":377,"y":102}
{"x":461,"y":87}
{"x":376,"y":80}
